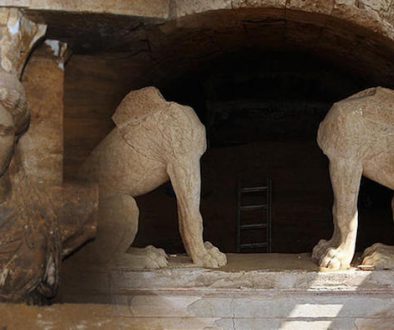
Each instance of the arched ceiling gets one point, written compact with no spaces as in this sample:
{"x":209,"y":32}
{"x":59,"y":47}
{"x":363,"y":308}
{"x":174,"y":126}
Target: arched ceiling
{"x":158,"y":45}
{"x":193,"y":42}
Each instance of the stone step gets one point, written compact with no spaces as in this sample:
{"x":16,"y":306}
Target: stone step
{"x":290,"y":293}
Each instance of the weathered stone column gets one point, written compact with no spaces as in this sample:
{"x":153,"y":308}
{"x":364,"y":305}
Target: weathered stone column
{"x":41,"y":147}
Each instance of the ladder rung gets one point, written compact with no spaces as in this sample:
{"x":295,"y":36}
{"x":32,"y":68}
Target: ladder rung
{"x":253,"y":189}
{"x":253,"y":207}
{"x":254,"y":226}
{"x":254,"y":245}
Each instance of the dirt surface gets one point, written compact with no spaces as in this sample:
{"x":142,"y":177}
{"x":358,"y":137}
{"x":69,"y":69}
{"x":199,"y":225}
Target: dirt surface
{"x":64,"y":316}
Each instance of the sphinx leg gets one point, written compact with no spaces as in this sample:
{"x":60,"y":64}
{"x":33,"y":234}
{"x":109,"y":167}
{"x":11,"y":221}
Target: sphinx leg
{"x":338,"y":252}
{"x":185,"y":178}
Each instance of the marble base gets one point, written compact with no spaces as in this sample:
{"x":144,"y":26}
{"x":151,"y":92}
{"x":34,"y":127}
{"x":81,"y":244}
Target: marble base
{"x":261,"y":291}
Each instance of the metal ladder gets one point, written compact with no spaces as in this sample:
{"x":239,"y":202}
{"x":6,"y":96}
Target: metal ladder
{"x":264,"y":222}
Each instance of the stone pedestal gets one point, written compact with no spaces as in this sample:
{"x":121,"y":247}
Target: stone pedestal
{"x":264,"y":291}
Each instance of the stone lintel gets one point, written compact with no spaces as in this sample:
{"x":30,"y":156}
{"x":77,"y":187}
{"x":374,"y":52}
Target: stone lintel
{"x":143,"y":8}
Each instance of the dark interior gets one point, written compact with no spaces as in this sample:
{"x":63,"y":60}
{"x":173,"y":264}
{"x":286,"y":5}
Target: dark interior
{"x":262,"y":112}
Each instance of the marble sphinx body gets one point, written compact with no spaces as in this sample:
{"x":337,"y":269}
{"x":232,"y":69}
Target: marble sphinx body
{"x":357,"y":136}
{"x":154,"y":141}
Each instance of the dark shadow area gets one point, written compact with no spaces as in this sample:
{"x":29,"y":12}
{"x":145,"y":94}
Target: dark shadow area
{"x":262,"y":112}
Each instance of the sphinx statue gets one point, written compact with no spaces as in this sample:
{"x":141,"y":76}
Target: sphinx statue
{"x":154,"y":141}
{"x":357,"y":136}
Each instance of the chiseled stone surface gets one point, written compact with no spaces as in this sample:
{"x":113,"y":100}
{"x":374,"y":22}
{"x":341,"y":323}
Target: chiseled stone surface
{"x":357,"y":136}
{"x":317,"y":6}
{"x":189,"y":7}
{"x":154,"y":141}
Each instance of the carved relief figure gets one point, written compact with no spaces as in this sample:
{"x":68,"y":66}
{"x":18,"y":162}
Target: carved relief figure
{"x":357,"y":136}
{"x":154,"y":141}
{"x":38,"y":224}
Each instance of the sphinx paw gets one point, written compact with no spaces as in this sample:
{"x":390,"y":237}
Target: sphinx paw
{"x":336,"y":258}
{"x":211,"y":257}
{"x":379,"y":256}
